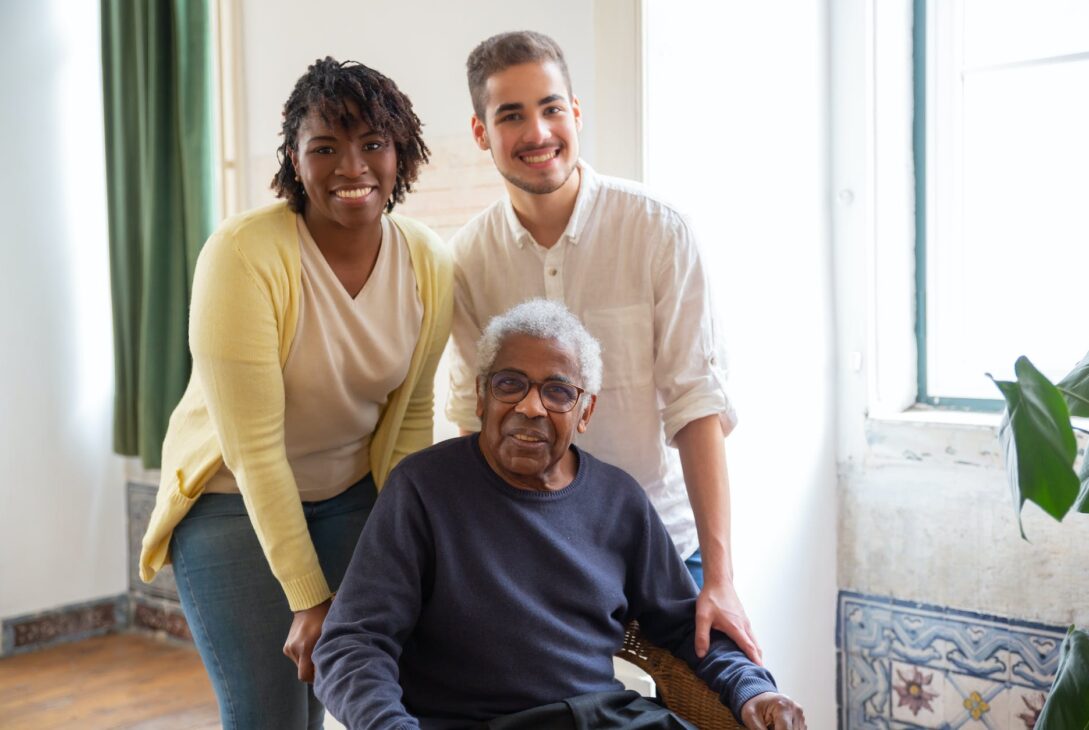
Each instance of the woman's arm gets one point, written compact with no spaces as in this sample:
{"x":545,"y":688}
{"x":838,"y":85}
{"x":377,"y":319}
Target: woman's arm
{"x":236,"y":336}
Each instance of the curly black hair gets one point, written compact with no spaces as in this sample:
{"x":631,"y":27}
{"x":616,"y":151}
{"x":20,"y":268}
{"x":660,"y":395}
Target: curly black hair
{"x":328,"y":86}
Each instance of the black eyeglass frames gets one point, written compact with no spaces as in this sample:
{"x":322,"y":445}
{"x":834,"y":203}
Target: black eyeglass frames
{"x":511,"y":386}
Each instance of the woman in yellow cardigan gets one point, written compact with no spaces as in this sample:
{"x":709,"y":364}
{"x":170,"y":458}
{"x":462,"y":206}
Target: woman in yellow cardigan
{"x":316,"y":326}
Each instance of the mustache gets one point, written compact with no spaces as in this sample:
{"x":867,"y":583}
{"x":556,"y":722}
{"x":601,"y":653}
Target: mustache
{"x":531,"y":147}
{"x":516,"y":422}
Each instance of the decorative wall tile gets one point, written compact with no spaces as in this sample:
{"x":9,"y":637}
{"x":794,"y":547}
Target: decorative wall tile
{"x":917,"y":697}
{"x":1024,"y":707}
{"x":71,"y":623}
{"x":910,"y":665}
{"x":160,"y":616}
{"x":973,"y":702}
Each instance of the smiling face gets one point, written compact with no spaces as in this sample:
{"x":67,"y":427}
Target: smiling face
{"x":531,"y":127}
{"x":524,"y":443}
{"x":348,"y":171}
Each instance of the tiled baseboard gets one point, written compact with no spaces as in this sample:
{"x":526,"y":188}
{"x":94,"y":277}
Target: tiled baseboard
{"x":903,"y":665}
{"x":164,"y":618}
{"x":68,"y":623}
{"x":94,"y":618}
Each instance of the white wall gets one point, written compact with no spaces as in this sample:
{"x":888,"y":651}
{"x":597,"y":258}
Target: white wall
{"x":62,"y":519}
{"x":737,"y":123}
{"x":420,"y":44}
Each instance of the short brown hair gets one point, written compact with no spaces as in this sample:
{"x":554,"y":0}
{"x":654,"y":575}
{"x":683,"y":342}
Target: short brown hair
{"x":327,"y":87}
{"x":502,"y":51}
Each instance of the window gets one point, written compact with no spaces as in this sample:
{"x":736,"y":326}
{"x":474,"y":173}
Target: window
{"x":1002,"y":165}
{"x":227,"y":28}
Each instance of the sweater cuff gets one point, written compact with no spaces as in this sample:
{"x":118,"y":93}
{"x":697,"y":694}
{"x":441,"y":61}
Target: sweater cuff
{"x":745,"y":690}
{"x":307,"y":592}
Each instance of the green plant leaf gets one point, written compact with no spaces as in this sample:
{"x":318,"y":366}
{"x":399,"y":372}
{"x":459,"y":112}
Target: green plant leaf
{"x":1075,"y":387}
{"x":1081,"y":504}
{"x":1038,"y":442}
{"x":1067,"y":704}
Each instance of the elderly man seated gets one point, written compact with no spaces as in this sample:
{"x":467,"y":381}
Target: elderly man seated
{"x":495,"y":576}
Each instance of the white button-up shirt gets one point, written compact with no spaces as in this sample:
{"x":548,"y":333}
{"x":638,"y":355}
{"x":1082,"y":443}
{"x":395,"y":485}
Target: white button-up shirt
{"x":628,"y":267}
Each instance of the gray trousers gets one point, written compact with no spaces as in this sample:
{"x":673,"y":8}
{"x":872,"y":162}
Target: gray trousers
{"x":597,"y":711}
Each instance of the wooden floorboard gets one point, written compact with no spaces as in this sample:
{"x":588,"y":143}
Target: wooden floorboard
{"x":119,"y":681}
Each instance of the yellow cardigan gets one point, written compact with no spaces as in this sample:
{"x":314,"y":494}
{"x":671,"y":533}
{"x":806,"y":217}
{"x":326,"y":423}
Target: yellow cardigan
{"x":243,"y":316}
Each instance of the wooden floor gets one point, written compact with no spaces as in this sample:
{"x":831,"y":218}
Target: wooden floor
{"x":119,"y":681}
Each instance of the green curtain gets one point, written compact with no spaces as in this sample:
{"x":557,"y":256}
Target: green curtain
{"x":160,"y":165}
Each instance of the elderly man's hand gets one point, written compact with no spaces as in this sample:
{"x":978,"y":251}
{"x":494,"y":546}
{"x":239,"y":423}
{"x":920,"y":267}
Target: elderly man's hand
{"x":772,"y":711}
{"x":719,"y":607}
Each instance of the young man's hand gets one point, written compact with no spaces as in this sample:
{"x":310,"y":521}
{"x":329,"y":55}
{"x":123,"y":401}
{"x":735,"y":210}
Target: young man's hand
{"x":772,"y":711}
{"x":304,"y":633}
{"x":719,"y":607}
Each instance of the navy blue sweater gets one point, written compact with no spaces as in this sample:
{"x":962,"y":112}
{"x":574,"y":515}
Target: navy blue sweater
{"x":468,"y":599}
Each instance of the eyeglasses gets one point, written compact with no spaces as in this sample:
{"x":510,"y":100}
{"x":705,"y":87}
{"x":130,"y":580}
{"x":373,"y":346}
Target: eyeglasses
{"x":511,"y":386}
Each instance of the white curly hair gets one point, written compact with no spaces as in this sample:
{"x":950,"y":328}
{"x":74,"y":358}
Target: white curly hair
{"x":546,"y":320}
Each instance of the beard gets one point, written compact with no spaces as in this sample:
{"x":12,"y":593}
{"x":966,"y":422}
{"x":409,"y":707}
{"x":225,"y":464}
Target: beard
{"x":538,"y":187}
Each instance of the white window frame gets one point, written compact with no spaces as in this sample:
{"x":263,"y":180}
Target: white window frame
{"x":948,"y":246}
{"x":229,"y":107}
{"x":873,"y":224}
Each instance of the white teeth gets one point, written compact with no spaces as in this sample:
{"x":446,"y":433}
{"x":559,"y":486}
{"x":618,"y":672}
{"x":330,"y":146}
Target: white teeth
{"x":533,"y":159}
{"x":353,"y":193}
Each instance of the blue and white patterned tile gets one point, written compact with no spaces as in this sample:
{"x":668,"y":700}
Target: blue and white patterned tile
{"x":1024,"y":707}
{"x":865,"y":679}
{"x":917,"y":697}
{"x":991,"y":663}
{"x":974,"y":703}
{"x":1034,"y":657}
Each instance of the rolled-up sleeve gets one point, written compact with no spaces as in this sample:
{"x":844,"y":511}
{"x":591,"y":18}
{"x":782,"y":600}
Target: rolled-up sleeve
{"x":689,"y":358}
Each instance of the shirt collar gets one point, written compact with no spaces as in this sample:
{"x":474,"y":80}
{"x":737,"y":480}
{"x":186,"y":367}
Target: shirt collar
{"x":584,"y":201}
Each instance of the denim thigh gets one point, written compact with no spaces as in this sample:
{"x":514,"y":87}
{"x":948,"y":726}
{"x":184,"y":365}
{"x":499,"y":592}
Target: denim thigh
{"x":335,"y":525}
{"x":695,"y":567}
{"x":237,"y":611}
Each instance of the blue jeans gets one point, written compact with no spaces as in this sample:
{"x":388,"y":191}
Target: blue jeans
{"x":695,"y":567}
{"x":237,"y":611}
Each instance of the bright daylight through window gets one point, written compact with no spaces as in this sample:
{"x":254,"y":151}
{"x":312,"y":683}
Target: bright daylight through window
{"x":1006,"y":172}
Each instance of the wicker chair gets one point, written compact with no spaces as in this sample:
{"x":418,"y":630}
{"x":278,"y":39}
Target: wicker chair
{"x":678,"y":686}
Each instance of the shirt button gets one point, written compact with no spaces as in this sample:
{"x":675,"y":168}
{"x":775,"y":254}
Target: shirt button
{"x":552,"y":272}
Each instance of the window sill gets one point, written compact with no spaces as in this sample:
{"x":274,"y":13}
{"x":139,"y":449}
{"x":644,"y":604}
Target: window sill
{"x":925,"y":414}
{"x":925,"y":435}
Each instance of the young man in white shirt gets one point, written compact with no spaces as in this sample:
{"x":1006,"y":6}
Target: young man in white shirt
{"x":627,"y":265}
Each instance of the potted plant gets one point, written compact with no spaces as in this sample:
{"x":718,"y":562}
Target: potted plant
{"x":1041,"y":450}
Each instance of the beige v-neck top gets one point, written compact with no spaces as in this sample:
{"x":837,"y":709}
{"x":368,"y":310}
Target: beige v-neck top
{"x":348,"y":355}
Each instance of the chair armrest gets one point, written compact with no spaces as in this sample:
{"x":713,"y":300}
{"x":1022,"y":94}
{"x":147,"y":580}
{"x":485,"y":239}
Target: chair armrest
{"x":678,"y":686}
